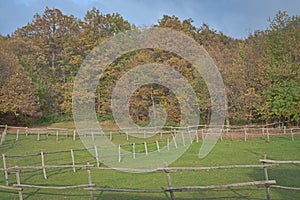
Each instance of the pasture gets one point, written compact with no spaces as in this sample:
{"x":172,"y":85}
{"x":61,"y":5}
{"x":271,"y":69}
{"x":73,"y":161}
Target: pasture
{"x":229,"y":151}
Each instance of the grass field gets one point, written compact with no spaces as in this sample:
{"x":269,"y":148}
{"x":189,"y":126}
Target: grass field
{"x":226,"y":152}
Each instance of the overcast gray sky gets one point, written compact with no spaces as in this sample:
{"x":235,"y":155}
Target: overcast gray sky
{"x":236,"y":18}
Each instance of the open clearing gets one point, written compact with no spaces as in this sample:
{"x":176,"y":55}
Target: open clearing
{"x":226,"y":152}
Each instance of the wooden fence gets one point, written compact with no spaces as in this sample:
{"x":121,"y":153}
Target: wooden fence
{"x":266,"y":161}
{"x":170,"y":188}
{"x":194,"y":132}
{"x":43,"y":166}
{"x":174,"y":134}
{"x":18,"y":186}
{"x":173,"y":137}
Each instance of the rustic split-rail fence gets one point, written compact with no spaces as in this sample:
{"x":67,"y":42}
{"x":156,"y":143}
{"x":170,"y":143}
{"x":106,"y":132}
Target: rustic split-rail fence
{"x":172,"y":133}
{"x":194,"y":132}
{"x":89,"y":186}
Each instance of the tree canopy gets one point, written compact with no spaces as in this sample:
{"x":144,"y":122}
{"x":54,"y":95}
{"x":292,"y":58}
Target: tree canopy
{"x":40,"y":61}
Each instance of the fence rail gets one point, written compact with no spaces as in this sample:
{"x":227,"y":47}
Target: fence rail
{"x":245,"y":184}
{"x":285,"y":187}
{"x":169,"y":189}
{"x":196,"y":132}
{"x":281,"y":162}
{"x":91,"y":187}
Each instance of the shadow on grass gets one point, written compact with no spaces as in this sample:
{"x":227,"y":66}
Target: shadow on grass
{"x":285,"y":175}
{"x":233,"y":194}
{"x":31,"y":194}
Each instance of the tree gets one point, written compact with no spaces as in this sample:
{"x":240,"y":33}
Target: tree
{"x":57,"y":36}
{"x":7,"y":61}
{"x":50,"y":50}
{"x":98,"y":26}
{"x":283,"y":47}
{"x":282,"y":96}
{"x":261,"y":73}
{"x":18,"y":96}
{"x":175,"y":23}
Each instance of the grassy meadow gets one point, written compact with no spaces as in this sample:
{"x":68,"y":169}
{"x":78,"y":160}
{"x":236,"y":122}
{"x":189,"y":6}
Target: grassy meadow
{"x":226,"y":152}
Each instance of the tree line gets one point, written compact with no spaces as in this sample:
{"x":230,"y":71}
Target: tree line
{"x":39,"y":63}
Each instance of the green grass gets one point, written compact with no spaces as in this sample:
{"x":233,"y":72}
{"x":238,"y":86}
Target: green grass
{"x":227,"y":152}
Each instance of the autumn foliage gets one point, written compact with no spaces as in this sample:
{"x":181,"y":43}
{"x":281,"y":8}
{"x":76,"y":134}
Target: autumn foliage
{"x":40,"y":60}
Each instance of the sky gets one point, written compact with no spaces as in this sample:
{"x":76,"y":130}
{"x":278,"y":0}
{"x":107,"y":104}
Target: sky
{"x":235,"y":18}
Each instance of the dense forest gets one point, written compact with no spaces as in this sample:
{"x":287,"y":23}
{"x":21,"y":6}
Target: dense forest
{"x":39,"y":63}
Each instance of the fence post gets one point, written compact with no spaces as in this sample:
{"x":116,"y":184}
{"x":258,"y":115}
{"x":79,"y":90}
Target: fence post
{"x":18,"y":179}
{"x":43,"y":165}
{"x":127,"y":137}
{"x":3,"y":135}
{"x":133,"y":150}
{"x":74,"y":135}
{"x":93,"y":137}
{"x":197,"y":136}
{"x":182,"y":136}
{"x":190,"y":136}
{"x":268,"y":135}
{"x":17,"y":136}
{"x":266,"y":178}
{"x":146,"y":149}
{"x":169,"y":182}
{"x":292,"y":134}
{"x":245,"y":134}
{"x":157,"y":146}
{"x":26,"y":130}
{"x":284,"y":130}
{"x":221,"y":134}
{"x":38,"y":135}
{"x":174,"y":140}
{"x":97,"y":156}
{"x":88,"y":169}
{"x":119,"y":153}
{"x":73,"y":160}
{"x":5,"y":168}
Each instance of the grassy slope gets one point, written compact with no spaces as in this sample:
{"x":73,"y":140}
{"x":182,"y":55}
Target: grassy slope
{"x":226,"y":152}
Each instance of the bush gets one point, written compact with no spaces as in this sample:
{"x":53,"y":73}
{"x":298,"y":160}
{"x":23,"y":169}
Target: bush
{"x":50,"y":119}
